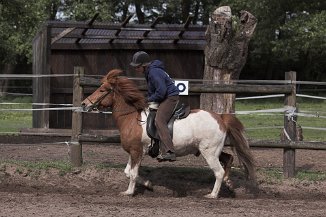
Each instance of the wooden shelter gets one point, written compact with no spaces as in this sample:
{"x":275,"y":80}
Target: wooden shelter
{"x":99,"y":47}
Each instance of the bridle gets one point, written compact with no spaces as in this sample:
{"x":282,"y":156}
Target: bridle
{"x":94,"y":106}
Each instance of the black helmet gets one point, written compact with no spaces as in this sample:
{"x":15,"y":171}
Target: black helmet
{"x":140,"y":58}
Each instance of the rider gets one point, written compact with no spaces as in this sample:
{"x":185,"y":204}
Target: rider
{"x":163,"y":95}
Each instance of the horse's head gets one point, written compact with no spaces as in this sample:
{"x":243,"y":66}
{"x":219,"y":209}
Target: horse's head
{"x":101,"y":98}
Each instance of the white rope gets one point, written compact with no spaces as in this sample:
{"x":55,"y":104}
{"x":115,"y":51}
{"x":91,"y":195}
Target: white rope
{"x":316,"y":115}
{"x":289,"y":110}
{"x":260,"y":111}
{"x":286,"y":134}
{"x":41,"y":109}
{"x":312,"y":97}
{"x":314,"y":128}
{"x":18,"y":94}
{"x":40,"y":104}
{"x":34,"y":76}
{"x":280,"y":95}
{"x":68,"y":143}
{"x":260,"y":97}
{"x":290,"y":113}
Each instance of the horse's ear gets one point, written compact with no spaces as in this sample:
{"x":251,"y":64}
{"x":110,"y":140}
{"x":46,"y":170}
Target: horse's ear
{"x":112,"y":76}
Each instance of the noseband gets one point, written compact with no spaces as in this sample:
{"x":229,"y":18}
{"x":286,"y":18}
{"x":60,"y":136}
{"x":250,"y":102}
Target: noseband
{"x":94,"y":106}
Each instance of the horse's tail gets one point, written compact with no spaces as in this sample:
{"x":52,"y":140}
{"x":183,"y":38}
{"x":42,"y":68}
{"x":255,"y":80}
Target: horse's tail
{"x":236,"y":136}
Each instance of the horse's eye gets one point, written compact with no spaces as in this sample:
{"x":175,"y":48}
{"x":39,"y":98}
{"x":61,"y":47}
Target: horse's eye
{"x":102,"y":91}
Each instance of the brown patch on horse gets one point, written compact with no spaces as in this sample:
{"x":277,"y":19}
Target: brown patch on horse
{"x":231,"y":120}
{"x":131,"y":137}
{"x":219,"y":120}
{"x":235,"y":132}
{"x":130,"y":130}
{"x":195,"y":110}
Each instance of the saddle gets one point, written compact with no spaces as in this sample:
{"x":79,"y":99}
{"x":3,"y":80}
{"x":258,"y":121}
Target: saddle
{"x":181,"y":111}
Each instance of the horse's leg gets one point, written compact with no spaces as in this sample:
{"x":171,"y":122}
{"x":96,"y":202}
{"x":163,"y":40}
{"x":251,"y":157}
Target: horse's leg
{"x":227,"y":160}
{"x":213,"y":162}
{"x":127,"y":169}
{"x":145,"y":182}
{"x":133,"y":167}
{"x":131,"y":172}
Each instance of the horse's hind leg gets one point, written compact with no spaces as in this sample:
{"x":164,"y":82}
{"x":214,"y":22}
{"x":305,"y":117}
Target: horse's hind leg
{"x":227,"y":160}
{"x":213,"y":162}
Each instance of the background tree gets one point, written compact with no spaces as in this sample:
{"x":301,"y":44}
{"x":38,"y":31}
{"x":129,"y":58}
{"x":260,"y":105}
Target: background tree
{"x":290,"y":35}
{"x":226,"y":52}
{"x":19,"y":22}
{"x":285,"y":38}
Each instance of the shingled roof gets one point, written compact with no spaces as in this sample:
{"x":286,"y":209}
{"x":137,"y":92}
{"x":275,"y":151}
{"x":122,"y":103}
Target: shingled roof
{"x":95,"y":35}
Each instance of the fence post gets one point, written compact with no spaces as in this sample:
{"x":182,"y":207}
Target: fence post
{"x":290,"y":126}
{"x":75,"y":150}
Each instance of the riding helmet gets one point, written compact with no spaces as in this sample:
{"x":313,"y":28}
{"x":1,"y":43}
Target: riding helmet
{"x":140,"y":58}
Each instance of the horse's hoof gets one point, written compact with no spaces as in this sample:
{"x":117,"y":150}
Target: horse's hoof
{"x":126,"y":193}
{"x":210,"y":196}
{"x":149,"y":185}
{"x":229,"y":184}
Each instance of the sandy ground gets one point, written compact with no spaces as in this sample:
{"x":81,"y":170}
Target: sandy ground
{"x":179,"y":187}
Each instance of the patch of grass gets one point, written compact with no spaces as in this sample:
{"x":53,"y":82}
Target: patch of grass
{"x":109,"y":166}
{"x":63,"y":167}
{"x":269,"y":126}
{"x":13,"y":121}
{"x":271,"y":175}
{"x":311,"y":176}
{"x":275,"y":175}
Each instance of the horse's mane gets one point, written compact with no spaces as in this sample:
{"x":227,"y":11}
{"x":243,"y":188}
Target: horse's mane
{"x":126,"y":88}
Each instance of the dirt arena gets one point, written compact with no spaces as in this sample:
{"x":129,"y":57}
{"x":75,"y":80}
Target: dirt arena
{"x":179,"y":187}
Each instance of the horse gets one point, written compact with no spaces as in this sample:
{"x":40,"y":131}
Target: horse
{"x":202,"y":132}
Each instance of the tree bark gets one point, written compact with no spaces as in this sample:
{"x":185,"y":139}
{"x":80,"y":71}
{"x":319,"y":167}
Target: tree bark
{"x":225,"y":54}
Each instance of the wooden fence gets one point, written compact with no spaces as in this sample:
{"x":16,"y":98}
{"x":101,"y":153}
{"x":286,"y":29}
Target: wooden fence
{"x":289,"y":89}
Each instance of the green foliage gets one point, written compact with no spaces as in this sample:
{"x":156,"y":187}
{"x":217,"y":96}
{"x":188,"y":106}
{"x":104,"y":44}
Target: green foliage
{"x":83,"y":10}
{"x":302,"y":42}
{"x":290,"y":35}
{"x":19,"y":22}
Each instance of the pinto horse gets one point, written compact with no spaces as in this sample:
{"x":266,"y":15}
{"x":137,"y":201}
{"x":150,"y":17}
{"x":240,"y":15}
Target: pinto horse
{"x":201,"y":132}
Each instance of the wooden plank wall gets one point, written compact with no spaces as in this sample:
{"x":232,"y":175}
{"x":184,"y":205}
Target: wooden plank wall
{"x":41,"y":91}
{"x":180,"y":64}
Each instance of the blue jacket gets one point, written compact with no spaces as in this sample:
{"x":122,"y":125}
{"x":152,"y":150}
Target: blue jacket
{"x":159,"y":83}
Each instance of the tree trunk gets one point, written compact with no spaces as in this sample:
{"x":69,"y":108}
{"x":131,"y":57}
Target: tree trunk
{"x":225,"y":54}
{"x":7,"y":69}
{"x":185,"y":7}
{"x":140,"y":14}
{"x":196,"y":12}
